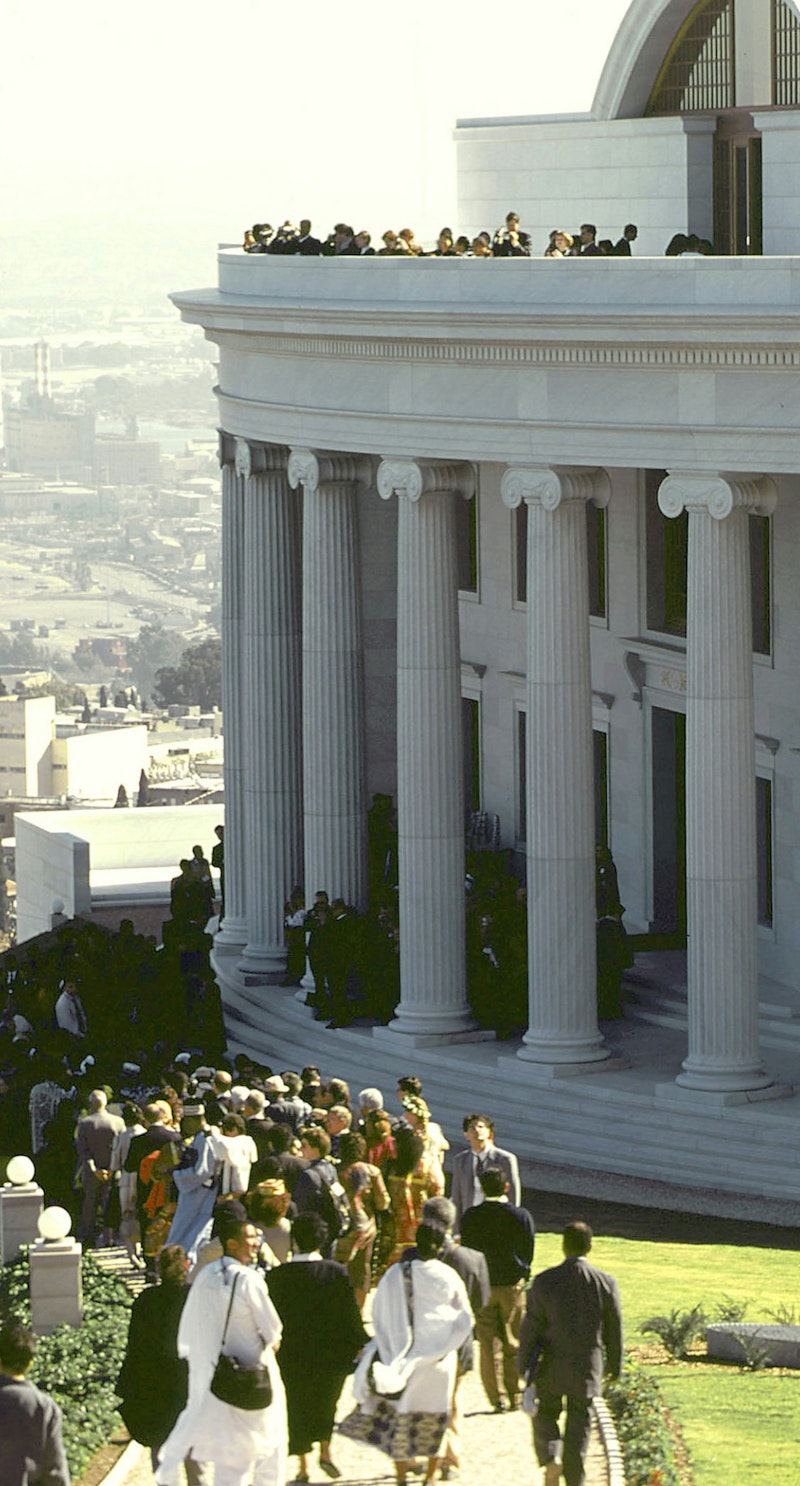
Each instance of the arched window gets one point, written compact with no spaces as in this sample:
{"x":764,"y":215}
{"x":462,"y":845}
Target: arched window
{"x":785,"y":54}
{"x":697,"y":74}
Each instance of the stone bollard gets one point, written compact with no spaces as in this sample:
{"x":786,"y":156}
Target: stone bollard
{"x":55,"y":1258}
{"x":21,"y":1202}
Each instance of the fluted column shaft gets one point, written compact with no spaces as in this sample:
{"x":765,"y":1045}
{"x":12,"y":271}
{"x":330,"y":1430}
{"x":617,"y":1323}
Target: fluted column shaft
{"x":430,"y":807}
{"x":273,"y":793}
{"x":233,"y":930}
{"x":721,"y":861}
{"x":334,"y":785}
{"x":562,"y":977}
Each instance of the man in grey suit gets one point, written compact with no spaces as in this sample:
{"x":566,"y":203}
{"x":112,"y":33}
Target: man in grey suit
{"x":573,"y":1315}
{"x":93,"y":1142}
{"x":31,"y":1444}
{"x":466,"y":1189}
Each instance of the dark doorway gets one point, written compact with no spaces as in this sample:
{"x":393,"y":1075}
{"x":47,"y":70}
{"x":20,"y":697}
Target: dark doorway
{"x":471,"y":733}
{"x":668,"y":733}
{"x":737,"y":186}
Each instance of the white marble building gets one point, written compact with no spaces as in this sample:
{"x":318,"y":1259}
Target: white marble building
{"x":615,"y":442}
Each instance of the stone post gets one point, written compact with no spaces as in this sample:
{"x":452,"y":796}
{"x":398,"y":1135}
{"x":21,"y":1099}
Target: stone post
{"x":232,"y":934}
{"x":430,"y":805}
{"x":20,"y":1209}
{"x":271,"y":705}
{"x":334,"y":771}
{"x":721,"y":863}
{"x":562,"y":977}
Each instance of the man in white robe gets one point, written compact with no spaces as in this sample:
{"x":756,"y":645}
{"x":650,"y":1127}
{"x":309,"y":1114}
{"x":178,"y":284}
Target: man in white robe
{"x":246,"y":1447}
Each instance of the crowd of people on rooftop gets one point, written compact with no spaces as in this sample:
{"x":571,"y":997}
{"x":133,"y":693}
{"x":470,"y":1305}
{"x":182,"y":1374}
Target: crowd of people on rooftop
{"x":508,"y":241}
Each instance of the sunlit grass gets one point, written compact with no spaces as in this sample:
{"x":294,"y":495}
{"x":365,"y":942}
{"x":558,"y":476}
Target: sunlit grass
{"x":740,"y":1428}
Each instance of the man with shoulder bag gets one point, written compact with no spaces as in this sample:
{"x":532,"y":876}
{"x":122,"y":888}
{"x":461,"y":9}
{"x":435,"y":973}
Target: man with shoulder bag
{"x":235,"y":1417}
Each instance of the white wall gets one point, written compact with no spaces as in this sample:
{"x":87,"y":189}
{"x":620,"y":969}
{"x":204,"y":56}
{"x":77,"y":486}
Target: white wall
{"x":559,"y":173}
{"x":60,"y":853}
{"x":780,"y":170}
{"x":92,"y":766}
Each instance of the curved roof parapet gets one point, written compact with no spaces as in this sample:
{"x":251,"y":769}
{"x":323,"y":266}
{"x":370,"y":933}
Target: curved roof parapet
{"x":647,"y":31}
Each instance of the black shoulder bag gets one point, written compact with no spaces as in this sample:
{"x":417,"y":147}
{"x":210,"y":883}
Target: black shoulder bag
{"x":243,"y":1385}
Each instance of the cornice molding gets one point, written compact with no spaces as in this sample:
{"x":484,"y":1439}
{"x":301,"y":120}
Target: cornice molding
{"x":458,"y":352}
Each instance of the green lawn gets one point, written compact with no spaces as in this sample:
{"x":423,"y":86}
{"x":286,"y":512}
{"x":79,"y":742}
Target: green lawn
{"x":741,"y":1428}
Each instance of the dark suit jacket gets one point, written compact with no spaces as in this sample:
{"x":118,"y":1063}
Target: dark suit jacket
{"x":506,"y":1235}
{"x":573,"y":1312}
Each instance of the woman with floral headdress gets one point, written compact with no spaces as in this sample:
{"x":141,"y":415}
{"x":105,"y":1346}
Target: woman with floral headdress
{"x":419,"y":1118}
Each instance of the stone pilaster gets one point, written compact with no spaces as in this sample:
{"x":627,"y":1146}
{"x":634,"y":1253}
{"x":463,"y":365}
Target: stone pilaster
{"x":430,"y":805}
{"x":232,"y":934}
{"x":271,"y":704}
{"x":334,"y":783}
{"x":721,"y":865}
{"x":562,"y":977}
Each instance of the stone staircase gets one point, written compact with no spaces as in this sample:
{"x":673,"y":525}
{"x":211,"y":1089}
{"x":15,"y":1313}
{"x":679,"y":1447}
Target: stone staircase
{"x":632,"y":1122}
{"x":115,"y":1261}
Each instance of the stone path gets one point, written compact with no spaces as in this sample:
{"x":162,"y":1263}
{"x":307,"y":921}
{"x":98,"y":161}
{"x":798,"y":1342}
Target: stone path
{"x":494,"y":1447}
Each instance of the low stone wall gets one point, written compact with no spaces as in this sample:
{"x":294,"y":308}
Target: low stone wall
{"x":731,"y":1341}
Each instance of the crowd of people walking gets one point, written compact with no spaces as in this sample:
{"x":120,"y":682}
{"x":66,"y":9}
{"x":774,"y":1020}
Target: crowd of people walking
{"x":266,"y":1209}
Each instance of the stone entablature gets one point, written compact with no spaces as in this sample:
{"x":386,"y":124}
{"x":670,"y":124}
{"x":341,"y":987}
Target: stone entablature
{"x":629,"y":363}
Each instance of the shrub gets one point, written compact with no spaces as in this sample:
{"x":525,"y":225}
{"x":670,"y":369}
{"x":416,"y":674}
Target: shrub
{"x":79,"y":1366}
{"x":729,"y":1311}
{"x":785,"y":1315}
{"x":678,"y":1330}
{"x":635,"y":1405}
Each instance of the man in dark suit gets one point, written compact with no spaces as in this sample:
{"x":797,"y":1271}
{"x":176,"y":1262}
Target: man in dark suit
{"x":466,"y":1190}
{"x":505,"y":1234}
{"x":573,"y":1315}
{"x":31,"y":1445}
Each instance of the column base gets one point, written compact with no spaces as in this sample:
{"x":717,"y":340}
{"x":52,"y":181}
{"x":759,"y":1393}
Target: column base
{"x":682,"y":1095}
{"x":563,"y":1051}
{"x":231,"y":937}
{"x":526,"y":1070}
{"x":262,"y":967}
{"x":400,"y":1034}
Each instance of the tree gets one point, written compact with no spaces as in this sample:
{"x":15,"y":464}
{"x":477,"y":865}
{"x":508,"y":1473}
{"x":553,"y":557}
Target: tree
{"x":154,"y":648}
{"x":121,"y":802}
{"x":143,"y":796}
{"x":197,"y":679}
{"x":103,"y":699}
{"x":86,"y":715}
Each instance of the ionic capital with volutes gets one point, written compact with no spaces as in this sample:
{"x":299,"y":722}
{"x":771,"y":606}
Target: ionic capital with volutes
{"x":549,"y":486}
{"x":226,"y":448}
{"x":252,"y":458}
{"x":312,"y":468}
{"x":720,"y":495}
{"x":414,"y":478}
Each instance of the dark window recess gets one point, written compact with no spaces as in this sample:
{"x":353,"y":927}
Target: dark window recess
{"x":600,"y":742}
{"x":467,"y":543}
{"x":667,"y":566}
{"x":520,"y":520}
{"x":522,"y":777}
{"x":596,"y":552}
{"x":471,"y":731}
{"x":596,"y":541}
{"x":785,"y":55}
{"x":697,"y":74}
{"x":764,"y":849}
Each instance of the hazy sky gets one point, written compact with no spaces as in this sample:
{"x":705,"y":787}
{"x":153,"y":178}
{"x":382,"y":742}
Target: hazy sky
{"x":222,"y":113}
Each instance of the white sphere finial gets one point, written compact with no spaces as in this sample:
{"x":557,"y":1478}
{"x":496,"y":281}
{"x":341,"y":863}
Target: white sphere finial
{"x":20,"y":1171}
{"x":54,"y":1223}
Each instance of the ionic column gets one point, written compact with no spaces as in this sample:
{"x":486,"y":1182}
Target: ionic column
{"x":271,"y":703}
{"x":232,"y":934}
{"x":334,"y":785}
{"x":562,"y":976}
{"x":721,"y":863}
{"x":430,"y":806}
